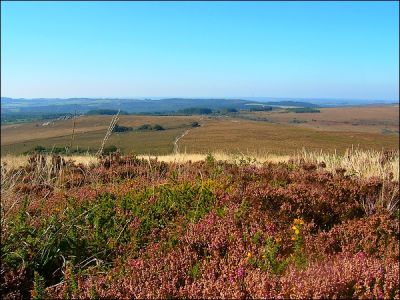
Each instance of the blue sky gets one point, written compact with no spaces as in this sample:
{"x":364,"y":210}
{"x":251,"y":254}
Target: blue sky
{"x":200,"y":49}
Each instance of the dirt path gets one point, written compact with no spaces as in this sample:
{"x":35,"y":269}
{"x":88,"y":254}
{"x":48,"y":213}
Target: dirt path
{"x":176,"y":147}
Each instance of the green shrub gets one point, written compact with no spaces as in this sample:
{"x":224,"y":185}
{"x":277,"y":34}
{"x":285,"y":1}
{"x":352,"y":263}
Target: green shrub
{"x":110,"y":149}
{"x":145,"y":127}
{"x":119,"y":128}
{"x":195,"y":270}
{"x":158,"y":127}
{"x":38,"y":287}
{"x":303,"y":110}
{"x":270,"y":257}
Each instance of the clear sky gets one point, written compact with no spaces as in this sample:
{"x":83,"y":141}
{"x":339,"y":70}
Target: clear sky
{"x":200,"y":49}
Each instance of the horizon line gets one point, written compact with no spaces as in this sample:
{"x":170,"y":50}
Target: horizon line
{"x":199,"y":98}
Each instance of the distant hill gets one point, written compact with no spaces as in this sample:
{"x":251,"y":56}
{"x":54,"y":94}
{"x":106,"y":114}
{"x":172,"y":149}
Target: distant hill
{"x":83,"y":105}
{"x":108,"y":112}
{"x":26,"y":110}
{"x":293,"y":103}
{"x":322,"y":102}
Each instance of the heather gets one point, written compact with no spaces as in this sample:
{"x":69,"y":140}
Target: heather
{"x":141,"y":228}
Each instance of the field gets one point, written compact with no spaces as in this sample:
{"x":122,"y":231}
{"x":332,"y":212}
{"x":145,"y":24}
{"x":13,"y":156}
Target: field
{"x":90,"y":131}
{"x":248,"y":137}
{"x":255,"y":133}
{"x":376,"y":119}
{"x":124,"y":227}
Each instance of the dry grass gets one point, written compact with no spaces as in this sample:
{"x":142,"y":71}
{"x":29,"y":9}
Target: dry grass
{"x":34,"y":131}
{"x":233,"y":135}
{"x":365,"y":164}
{"x":220,"y":156}
{"x":16,"y":161}
{"x":245,"y":136}
{"x":356,"y":162}
{"x":356,"y":119}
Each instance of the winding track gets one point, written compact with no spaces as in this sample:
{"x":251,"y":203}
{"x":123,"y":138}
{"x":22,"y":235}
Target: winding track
{"x":176,"y":147}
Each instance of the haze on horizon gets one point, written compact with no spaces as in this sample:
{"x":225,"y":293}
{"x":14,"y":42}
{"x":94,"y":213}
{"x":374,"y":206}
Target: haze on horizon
{"x":347,"y":50}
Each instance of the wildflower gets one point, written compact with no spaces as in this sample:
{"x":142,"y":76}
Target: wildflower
{"x":298,"y":221}
{"x":294,"y":227}
{"x":293,"y":238}
{"x":296,"y":231}
{"x":278,"y":239}
{"x":249,"y":255}
{"x":240,"y":272}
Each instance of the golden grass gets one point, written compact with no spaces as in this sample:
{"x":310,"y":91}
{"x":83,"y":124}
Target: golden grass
{"x":34,"y":131}
{"x":356,"y":119}
{"x":232,"y":135}
{"x":356,"y":162}
{"x":220,"y":156}
{"x":16,"y":161}
{"x":361,"y":163}
{"x":245,"y":136}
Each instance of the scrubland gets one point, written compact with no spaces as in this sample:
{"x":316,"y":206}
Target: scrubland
{"x":311,"y":225}
{"x":334,"y":129}
{"x":371,"y":119}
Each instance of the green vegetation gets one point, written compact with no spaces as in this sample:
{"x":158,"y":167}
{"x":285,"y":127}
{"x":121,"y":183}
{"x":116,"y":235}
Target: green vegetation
{"x":60,"y":150}
{"x":235,"y":133}
{"x":229,"y":110}
{"x":296,"y":121}
{"x":260,"y":108}
{"x":138,"y":228}
{"x":158,"y":127}
{"x":155,"y":127}
{"x":67,"y":151}
{"x":303,"y":110}
{"x":14,"y":118}
{"x":107,"y":112}
{"x":292,"y":103}
{"x":119,"y":128}
{"x":195,"y":111}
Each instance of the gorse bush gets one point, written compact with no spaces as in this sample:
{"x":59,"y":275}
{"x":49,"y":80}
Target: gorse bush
{"x":156,"y":127}
{"x":148,"y":229}
{"x":120,"y":128}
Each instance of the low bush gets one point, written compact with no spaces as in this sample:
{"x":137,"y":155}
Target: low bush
{"x":150,"y":127}
{"x":303,"y":110}
{"x":119,"y":128}
{"x":136,"y":228}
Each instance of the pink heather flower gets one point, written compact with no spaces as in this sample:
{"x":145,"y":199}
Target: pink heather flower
{"x":240,"y":272}
{"x":231,"y":279}
{"x":360,"y":255}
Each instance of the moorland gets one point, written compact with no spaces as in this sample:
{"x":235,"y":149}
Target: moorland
{"x":268,"y":202}
{"x":232,"y":130}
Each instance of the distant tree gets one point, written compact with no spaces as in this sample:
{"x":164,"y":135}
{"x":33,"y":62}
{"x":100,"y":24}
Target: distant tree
{"x":260,"y":108}
{"x":109,"y":112}
{"x":231,"y":110}
{"x":144,"y":127}
{"x":195,"y":111}
{"x":158,"y":127}
{"x":303,"y":110}
{"x":119,"y":128}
